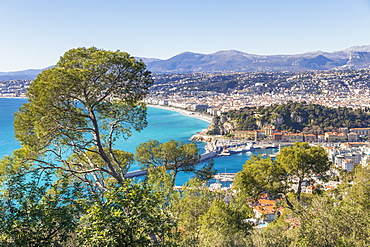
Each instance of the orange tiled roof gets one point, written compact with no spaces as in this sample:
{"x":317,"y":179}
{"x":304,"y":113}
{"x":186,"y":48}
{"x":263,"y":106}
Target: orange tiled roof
{"x":266,"y":202}
{"x":267,"y":209}
{"x":312,"y":187}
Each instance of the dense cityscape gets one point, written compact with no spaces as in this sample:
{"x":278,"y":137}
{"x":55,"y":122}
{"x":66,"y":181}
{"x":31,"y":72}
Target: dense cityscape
{"x":226,"y":91}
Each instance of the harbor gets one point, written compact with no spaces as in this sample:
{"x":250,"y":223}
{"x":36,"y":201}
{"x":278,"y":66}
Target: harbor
{"x":223,"y":147}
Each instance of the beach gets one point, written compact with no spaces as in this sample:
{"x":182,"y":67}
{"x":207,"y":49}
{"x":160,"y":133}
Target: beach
{"x":184,"y":112}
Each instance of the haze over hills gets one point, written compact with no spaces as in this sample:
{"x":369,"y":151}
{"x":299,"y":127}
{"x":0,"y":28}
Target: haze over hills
{"x":222,"y":61}
{"x":29,"y":74}
{"x":355,"y":57}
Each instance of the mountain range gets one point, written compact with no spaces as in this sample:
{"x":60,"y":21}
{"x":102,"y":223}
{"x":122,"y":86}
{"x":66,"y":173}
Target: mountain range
{"x":355,"y":57}
{"x":225,"y":61}
{"x":29,"y":74}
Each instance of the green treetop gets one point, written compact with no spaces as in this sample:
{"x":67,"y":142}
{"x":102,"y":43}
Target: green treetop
{"x":79,"y":108}
{"x":302,"y":161}
{"x":298,"y":162}
{"x":174,"y":156}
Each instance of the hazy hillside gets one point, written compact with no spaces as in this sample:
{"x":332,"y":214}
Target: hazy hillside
{"x":356,"y":57}
{"x":19,"y":75}
{"x":351,"y":58}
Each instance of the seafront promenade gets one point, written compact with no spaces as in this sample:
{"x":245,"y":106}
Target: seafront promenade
{"x":184,"y":112}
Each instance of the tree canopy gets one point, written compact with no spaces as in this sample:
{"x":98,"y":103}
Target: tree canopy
{"x":298,"y":116}
{"x":292,"y":166}
{"x":78,"y":108}
{"x":302,"y":161}
{"x":260,"y":175}
{"x":174,"y":156}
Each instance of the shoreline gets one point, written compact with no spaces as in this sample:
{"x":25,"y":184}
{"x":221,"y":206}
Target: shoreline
{"x":184,"y":112}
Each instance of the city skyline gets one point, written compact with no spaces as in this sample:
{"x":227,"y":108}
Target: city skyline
{"x":37,"y":33}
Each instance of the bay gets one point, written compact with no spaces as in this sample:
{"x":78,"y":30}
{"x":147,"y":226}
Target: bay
{"x":163,"y":125}
{"x":8,"y":106}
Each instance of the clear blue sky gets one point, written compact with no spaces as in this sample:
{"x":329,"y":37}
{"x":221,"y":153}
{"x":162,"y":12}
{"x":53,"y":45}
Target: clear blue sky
{"x":35,"y":33}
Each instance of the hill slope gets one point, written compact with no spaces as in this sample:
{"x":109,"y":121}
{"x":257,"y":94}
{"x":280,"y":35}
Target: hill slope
{"x":356,"y":57}
{"x":225,"y":61}
{"x":292,"y":116}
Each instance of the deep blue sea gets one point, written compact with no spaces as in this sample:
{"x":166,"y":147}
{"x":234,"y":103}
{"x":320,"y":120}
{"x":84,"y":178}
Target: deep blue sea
{"x":163,"y":125}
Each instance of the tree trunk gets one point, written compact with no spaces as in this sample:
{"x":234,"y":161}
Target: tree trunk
{"x":299,"y":189}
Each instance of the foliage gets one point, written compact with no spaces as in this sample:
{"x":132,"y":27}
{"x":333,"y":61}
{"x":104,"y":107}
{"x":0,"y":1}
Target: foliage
{"x":224,"y":225}
{"x":299,"y":116}
{"x":159,"y":180}
{"x":33,"y":212}
{"x":129,"y":216}
{"x":259,"y":176}
{"x":174,"y":156}
{"x":75,"y":112}
{"x":360,"y":190}
{"x":332,"y":223}
{"x":207,"y":171}
{"x":194,"y":202}
{"x":302,"y":161}
{"x":210,"y":218}
{"x":79,"y":107}
{"x":275,"y":177}
{"x":274,"y":235}
{"x":325,"y":221}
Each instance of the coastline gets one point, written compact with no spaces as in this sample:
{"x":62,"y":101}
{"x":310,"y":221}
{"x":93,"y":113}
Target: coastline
{"x":169,"y":108}
{"x":184,"y":112}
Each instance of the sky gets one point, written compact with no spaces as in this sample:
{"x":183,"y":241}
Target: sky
{"x":35,"y":33}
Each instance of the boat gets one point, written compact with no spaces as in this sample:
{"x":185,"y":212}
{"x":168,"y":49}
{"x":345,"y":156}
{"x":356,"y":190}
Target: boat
{"x":225,"y":152}
{"x":249,"y":146}
{"x":246,"y":148}
{"x":236,"y":151}
{"x":274,"y":154}
{"x":225,"y":177}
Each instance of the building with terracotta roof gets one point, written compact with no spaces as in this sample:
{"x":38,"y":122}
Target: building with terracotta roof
{"x":288,"y":137}
{"x":309,"y":138}
{"x":245,"y":134}
{"x":363,"y":132}
{"x":310,"y":189}
{"x":335,"y":137}
{"x":266,"y":209}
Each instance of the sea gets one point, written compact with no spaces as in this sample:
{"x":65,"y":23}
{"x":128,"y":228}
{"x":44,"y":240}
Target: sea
{"x":163,"y":125}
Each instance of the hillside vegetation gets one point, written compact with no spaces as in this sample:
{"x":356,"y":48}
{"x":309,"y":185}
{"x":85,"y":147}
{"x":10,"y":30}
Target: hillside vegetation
{"x":294,"y":116}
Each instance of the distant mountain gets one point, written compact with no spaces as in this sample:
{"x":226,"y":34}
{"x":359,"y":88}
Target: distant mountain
{"x":223,"y":61}
{"x":29,"y":74}
{"x":355,"y":57}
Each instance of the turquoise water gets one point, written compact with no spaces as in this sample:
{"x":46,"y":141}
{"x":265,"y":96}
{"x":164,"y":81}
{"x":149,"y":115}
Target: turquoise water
{"x":7,"y":109}
{"x":163,"y":125}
